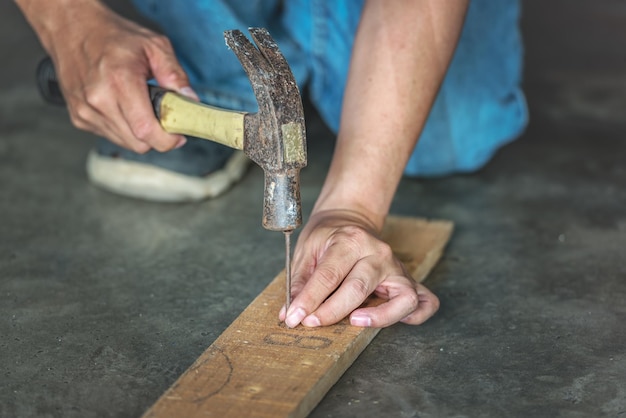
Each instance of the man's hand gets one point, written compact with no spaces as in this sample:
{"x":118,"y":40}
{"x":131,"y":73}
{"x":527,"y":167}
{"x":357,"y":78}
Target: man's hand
{"x":400,"y":55}
{"x":103,"y":62}
{"x":338,"y":262}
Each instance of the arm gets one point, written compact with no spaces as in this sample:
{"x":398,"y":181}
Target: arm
{"x":103,"y":62}
{"x":401,"y":52}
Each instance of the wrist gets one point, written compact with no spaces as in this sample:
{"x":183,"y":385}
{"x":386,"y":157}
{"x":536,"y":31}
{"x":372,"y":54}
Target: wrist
{"x":369,"y":212}
{"x":359,"y":182}
{"x":344,"y":217}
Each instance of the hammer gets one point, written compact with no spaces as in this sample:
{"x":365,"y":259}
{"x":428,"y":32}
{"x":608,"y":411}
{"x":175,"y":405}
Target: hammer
{"x":274,"y":137}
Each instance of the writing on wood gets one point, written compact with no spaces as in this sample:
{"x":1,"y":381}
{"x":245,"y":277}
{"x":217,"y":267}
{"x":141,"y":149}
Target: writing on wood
{"x":260,"y":368}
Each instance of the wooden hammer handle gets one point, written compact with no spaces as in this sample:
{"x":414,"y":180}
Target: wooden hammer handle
{"x":182,"y":115}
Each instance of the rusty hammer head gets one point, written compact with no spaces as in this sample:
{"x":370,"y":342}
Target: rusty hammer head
{"x":275,"y":136}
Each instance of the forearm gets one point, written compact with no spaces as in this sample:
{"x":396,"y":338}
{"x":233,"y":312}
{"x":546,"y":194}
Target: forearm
{"x":401,"y":52}
{"x":52,"y":19}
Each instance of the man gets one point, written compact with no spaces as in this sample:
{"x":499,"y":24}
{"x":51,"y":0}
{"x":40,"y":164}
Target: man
{"x":372,"y":68}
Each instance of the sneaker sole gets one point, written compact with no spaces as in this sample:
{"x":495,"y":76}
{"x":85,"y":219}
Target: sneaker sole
{"x":149,"y":182}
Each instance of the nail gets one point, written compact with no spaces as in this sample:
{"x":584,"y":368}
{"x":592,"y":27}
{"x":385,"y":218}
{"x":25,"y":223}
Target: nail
{"x":188,"y":91}
{"x":294,"y":317}
{"x":311,"y":321}
{"x":181,"y":143}
{"x":361,"y":320}
{"x":281,"y":314}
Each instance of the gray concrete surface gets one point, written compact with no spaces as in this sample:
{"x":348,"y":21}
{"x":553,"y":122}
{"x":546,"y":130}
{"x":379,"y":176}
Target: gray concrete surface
{"x":104,"y":300}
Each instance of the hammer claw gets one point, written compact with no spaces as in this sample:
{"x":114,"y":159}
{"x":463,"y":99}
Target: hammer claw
{"x":282,"y":76}
{"x":253,"y":62}
{"x":278,"y":127}
{"x":270,"y":51}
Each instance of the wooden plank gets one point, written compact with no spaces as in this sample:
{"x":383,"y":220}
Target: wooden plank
{"x":260,"y":368}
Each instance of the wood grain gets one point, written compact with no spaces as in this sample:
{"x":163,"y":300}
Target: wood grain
{"x":260,"y":368}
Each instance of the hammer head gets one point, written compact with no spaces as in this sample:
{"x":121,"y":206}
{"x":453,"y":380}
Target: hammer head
{"x":275,"y":136}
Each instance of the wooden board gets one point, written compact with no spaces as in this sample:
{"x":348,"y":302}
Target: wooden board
{"x":260,"y":368}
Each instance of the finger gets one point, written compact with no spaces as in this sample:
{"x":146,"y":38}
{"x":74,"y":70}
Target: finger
{"x":100,"y":111}
{"x":282,"y":314}
{"x":87,"y":117}
{"x":141,"y":123}
{"x":167,"y":70}
{"x":334,"y":266}
{"x":428,"y":306}
{"x":407,"y":305}
{"x":354,"y":290}
{"x":303,"y":265}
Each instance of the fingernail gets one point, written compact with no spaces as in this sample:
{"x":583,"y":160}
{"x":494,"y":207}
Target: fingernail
{"x":181,"y":143}
{"x":361,"y":321}
{"x":311,"y":321}
{"x":188,"y":91}
{"x":281,"y":314}
{"x":294,"y":317}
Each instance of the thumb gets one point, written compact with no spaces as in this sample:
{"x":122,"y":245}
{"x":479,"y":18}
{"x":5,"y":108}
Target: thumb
{"x":168,"y":72}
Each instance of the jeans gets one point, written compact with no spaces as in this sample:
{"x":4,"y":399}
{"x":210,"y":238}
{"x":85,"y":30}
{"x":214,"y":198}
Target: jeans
{"x":479,"y":108}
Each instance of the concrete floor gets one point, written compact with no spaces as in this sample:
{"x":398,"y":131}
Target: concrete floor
{"x":105,"y":301}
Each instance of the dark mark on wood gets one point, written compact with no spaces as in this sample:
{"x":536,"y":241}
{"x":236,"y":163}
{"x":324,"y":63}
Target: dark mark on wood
{"x":309,"y":342}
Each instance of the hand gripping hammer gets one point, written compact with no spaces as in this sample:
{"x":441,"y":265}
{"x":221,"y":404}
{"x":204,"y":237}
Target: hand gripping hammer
{"x":274,"y":137}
